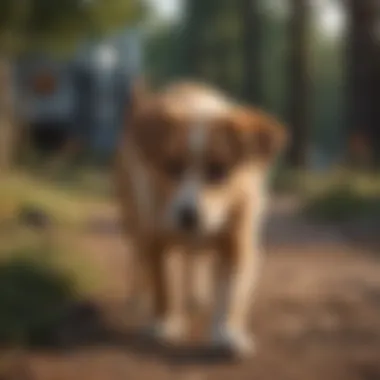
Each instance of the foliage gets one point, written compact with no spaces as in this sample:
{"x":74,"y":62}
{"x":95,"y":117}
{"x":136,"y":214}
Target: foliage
{"x":162,"y":51}
{"x":344,"y":202}
{"x":45,"y":273}
{"x":33,"y":298}
{"x":31,"y":24}
{"x":68,"y":201}
{"x":328,"y":86}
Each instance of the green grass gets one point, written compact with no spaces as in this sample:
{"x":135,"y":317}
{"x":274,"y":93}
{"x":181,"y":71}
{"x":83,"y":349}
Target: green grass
{"x":66,"y":201}
{"x":343,"y":197}
{"x":335,"y":196}
{"x":33,"y":298}
{"x":39,"y":280}
{"x":43,"y":272}
{"x":307,"y":182}
{"x":34,"y":295}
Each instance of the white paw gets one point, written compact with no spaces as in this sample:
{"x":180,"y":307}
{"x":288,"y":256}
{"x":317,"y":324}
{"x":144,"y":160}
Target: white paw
{"x":238,"y":341}
{"x":171,"y":330}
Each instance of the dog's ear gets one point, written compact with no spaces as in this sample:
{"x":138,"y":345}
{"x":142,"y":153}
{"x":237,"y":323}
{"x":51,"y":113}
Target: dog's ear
{"x":262,"y":135}
{"x":152,"y":119}
{"x":269,"y":137}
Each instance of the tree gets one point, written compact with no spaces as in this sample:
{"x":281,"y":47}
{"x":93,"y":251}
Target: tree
{"x":191,"y":39}
{"x":57,"y":26}
{"x":376,"y":97}
{"x":299,"y":83}
{"x":200,"y":39}
{"x":31,"y":24}
{"x":363,"y":77}
{"x":251,"y":38}
{"x":209,"y":41}
{"x":161,"y":54}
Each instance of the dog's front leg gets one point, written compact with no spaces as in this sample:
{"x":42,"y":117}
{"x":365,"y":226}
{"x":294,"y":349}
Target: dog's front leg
{"x":169,"y":278}
{"x":203,"y":279}
{"x":240,"y":269}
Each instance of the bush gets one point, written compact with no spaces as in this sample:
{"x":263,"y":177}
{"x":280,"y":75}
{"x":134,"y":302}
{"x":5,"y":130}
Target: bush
{"x":342,"y":203}
{"x":33,"y":300}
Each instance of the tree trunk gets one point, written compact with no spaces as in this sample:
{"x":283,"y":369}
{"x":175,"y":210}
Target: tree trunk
{"x":376,"y":99}
{"x":362,"y":80}
{"x":250,"y":17}
{"x":299,"y":84}
{"x":198,"y":55}
{"x":375,"y":96}
{"x":7,"y":130}
{"x":193,"y":54}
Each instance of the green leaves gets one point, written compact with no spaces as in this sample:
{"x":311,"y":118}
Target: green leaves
{"x":47,"y":24}
{"x":105,"y":14}
{"x":33,"y":298}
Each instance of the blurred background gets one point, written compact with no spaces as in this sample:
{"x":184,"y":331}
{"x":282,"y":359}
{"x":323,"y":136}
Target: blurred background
{"x":66,"y":70}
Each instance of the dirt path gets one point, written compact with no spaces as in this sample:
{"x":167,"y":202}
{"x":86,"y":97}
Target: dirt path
{"x":317,"y":316}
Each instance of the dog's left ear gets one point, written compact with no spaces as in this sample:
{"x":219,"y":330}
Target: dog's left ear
{"x":265,"y":137}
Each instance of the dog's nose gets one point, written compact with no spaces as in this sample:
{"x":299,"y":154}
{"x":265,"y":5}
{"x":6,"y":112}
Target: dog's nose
{"x":188,"y":218}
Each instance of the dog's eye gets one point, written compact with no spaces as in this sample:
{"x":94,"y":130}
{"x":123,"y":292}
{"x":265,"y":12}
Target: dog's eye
{"x":215,"y":172}
{"x":174,"y":168}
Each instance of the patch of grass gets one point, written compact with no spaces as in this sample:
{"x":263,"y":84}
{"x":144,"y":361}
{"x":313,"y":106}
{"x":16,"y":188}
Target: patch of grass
{"x":308,"y":183}
{"x":41,"y":276}
{"x":59,"y":250}
{"x":34,"y":296}
{"x":38,"y":288}
{"x":43,"y":271}
{"x":65,"y":202}
{"x":286,"y":181}
{"x":343,"y":202}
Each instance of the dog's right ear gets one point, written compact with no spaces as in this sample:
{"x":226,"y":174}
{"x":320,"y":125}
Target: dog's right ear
{"x":259,"y":134}
{"x":150,"y":118}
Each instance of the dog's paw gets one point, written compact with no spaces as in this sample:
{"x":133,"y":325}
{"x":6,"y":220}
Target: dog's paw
{"x":238,"y":342}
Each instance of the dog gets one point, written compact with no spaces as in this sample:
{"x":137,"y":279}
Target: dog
{"x":191,"y":175}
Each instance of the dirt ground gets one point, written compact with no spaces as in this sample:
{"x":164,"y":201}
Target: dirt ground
{"x":317,"y":316}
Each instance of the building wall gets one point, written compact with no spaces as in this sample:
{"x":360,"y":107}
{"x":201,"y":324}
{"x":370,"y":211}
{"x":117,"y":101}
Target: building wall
{"x":91,"y":93}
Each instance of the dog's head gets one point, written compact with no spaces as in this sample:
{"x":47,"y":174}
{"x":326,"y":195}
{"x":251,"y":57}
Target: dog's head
{"x":205,"y":154}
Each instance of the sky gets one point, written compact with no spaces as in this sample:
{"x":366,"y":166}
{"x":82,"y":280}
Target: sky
{"x":167,"y":9}
{"x":332,"y":19}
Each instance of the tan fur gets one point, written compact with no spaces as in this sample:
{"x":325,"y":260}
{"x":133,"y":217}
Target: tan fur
{"x":238,"y":141}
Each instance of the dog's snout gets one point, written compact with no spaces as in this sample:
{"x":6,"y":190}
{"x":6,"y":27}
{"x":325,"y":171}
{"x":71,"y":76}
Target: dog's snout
{"x":188,"y":218}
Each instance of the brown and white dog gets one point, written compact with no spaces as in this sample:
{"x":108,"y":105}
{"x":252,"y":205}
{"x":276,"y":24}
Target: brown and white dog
{"x":191,"y":174}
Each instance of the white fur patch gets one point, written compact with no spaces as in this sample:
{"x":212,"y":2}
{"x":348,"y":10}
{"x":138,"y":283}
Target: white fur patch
{"x":197,"y":139}
{"x":199,"y":102}
{"x":186,"y":195}
{"x":207,"y":105}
